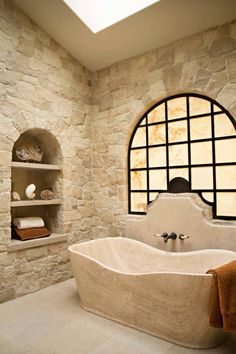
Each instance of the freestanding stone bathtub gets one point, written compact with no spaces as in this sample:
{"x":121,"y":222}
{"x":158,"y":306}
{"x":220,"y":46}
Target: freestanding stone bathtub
{"x":163,"y":293}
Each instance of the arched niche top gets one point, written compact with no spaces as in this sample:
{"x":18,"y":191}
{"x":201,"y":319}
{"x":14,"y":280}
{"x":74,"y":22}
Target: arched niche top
{"x":45,"y":140}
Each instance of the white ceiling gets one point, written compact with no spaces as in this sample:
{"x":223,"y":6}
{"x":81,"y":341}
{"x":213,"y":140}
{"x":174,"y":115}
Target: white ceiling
{"x":157,"y":25}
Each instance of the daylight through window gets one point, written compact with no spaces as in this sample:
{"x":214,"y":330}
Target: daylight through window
{"x":189,"y":136}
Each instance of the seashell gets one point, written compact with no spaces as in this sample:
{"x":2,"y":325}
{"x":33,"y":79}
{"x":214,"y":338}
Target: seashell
{"x":15,"y":195}
{"x":29,"y":152}
{"x":30,"y":191}
{"x":46,"y":194}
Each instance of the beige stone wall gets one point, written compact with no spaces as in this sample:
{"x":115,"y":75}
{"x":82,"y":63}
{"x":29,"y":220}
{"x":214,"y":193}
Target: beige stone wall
{"x":92,"y":117}
{"x":41,"y":86}
{"x":203,"y":63}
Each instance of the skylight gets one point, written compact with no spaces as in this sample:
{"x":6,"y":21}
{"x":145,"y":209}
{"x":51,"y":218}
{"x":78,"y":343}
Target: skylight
{"x":100,"y":14}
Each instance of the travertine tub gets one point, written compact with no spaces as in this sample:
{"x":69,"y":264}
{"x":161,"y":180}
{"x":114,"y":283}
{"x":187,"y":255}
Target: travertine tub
{"x":166,"y":294}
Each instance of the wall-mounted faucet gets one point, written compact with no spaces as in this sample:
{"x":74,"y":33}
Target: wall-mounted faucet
{"x":172,"y":236}
{"x":167,"y":236}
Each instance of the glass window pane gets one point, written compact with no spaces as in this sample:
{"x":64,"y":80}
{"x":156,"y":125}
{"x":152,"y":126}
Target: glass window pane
{"x":226,"y":177}
{"x":157,"y":114}
{"x":139,"y":138}
{"x":157,"y":179}
{"x":138,"y":180}
{"x":178,"y":172}
{"x":216,"y":108}
{"x":156,"y":134}
{"x":143,"y":121}
{"x":177,"y":108}
{"x":199,"y":106}
{"x":138,"y":158}
{"x":223,"y":125}
{"x":208,"y":196}
{"x":200,"y":128}
{"x":157,"y":156}
{"x":201,"y":153}
{"x":152,"y":196}
{"x":138,"y":202}
{"x":202,"y":177}
{"x":177,"y":131}
{"x":225,"y":150}
{"x":226,"y":204}
{"x":178,"y":155}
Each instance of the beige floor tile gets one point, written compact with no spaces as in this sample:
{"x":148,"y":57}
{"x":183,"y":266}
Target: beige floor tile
{"x":13,"y":309}
{"x":67,"y":286}
{"x":69,"y":339}
{"x":32,"y":325}
{"x":141,"y":341}
{"x":113,"y":347}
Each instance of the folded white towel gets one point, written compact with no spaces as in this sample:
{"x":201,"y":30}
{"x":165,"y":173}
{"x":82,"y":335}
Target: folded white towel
{"x":28,"y":222}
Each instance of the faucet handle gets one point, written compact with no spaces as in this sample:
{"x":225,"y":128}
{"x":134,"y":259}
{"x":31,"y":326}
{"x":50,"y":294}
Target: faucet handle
{"x":157,"y":235}
{"x":165,"y":234}
{"x":183,"y":237}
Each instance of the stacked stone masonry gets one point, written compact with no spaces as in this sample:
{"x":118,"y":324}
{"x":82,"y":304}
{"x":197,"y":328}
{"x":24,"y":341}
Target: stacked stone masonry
{"x":204,"y":63}
{"x":42,"y":86}
{"x":92,"y":116}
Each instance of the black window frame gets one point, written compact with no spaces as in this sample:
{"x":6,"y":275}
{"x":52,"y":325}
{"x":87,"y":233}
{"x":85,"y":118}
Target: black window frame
{"x":189,"y":166}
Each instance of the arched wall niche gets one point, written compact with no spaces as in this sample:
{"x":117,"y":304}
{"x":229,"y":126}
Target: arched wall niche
{"x":46,"y":175}
{"x":52,"y":153}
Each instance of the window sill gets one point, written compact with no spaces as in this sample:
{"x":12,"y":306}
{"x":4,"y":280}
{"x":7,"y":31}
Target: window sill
{"x":16,"y":245}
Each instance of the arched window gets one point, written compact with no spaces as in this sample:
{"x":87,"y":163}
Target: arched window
{"x":192,"y":139}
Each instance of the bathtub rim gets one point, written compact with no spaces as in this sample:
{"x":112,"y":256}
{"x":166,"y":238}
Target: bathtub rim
{"x":164,"y":253}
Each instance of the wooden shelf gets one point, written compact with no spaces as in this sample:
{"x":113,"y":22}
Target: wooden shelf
{"x":27,"y":166}
{"x":21,"y":203}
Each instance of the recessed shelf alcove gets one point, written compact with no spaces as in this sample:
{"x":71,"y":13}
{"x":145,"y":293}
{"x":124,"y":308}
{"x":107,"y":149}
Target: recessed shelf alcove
{"x":44,"y":174}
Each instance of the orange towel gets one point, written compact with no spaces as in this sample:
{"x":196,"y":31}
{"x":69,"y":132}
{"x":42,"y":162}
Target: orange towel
{"x":28,"y":234}
{"x":223,"y":307}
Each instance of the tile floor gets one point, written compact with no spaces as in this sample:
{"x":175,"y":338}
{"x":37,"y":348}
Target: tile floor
{"x":51,"y":321}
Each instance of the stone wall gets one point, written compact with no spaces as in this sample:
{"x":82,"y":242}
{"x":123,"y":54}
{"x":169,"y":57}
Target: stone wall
{"x":203,"y":63}
{"x":92,"y":117}
{"x":41,"y":86}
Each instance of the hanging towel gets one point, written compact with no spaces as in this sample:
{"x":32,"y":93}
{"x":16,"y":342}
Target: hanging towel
{"x":223,"y":307}
{"x":28,"y":222}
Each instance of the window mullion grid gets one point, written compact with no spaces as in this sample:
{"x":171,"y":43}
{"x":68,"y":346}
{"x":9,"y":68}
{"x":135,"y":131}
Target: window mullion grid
{"x":185,"y":166}
{"x":213,"y":139}
{"x":184,"y":118}
{"x":184,"y":142}
{"x":213,"y":159}
{"x":189,"y":144}
{"x":147,"y":162}
{"x":129,"y":181}
{"x":167,"y":145}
